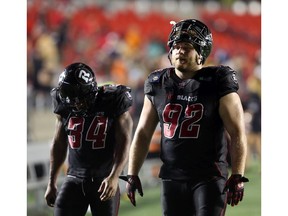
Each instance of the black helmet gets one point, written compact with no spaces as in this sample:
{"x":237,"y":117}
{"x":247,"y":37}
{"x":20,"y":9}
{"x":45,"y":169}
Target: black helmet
{"x":77,"y":85}
{"x":194,"y":32}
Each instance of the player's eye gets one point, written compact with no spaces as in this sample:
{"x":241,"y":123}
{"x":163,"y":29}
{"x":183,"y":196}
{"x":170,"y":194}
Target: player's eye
{"x":184,"y":46}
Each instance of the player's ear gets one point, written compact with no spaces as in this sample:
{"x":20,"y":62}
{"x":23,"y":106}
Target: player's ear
{"x":199,"y":59}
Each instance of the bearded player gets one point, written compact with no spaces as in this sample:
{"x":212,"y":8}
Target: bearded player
{"x":194,"y":105}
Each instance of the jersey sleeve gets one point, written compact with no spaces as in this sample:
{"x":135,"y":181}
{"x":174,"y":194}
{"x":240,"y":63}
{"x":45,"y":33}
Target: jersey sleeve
{"x":148,"y":89}
{"x":153,"y":79}
{"x":123,"y":100}
{"x":227,"y":81}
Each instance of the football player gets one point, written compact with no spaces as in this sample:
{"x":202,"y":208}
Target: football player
{"x":194,"y":105}
{"x":94,"y":124}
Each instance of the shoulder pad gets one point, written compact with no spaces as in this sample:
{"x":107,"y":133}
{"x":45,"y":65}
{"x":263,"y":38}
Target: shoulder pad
{"x":110,"y":88}
{"x":117,"y":98}
{"x":224,"y":71}
{"x":58,"y":107}
{"x":154,"y":77}
{"x":226,"y":80}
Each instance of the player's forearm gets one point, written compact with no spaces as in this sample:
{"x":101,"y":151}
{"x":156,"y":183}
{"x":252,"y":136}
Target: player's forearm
{"x":119,"y":164}
{"x":142,"y":137}
{"x":58,"y":150}
{"x":57,"y":158}
{"x":238,"y":154}
{"x":231,"y":112}
{"x":121,"y":158}
{"x":138,"y":152}
{"x":123,"y":138}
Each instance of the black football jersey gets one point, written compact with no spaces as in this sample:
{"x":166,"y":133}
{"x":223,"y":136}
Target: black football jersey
{"x":91,"y":137}
{"x":193,"y":143}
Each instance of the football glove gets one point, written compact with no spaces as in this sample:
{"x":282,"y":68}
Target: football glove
{"x":133,"y":183}
{"x":235,"y":189}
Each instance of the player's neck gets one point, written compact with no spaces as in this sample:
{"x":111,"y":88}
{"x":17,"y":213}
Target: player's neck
{"x":187,"y":74}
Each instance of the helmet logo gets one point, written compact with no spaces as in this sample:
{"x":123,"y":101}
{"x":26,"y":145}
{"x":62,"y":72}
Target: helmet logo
{"x":155,"y":78}
{"x":84,"y":76}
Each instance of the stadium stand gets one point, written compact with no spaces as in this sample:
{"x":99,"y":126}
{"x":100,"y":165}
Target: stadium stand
{"x":123,"y":42}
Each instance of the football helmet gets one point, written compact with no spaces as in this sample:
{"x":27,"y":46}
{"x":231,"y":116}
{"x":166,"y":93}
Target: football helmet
{"x":77,"y":87}
{"x":192,"y":31}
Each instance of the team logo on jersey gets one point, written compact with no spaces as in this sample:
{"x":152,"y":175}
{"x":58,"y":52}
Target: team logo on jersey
{"x":155,"y":78}
{"x":100,"y":113}
{"x":169,"y":96}
{"x":187,"y":98}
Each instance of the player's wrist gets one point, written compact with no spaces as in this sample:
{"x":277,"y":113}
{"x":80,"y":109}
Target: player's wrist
{"x":237,"y":175}
{"x":239,"y":178}
{"x":131,"y":175}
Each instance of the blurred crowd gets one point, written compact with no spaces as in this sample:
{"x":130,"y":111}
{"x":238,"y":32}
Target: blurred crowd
{"x":123,"y":44}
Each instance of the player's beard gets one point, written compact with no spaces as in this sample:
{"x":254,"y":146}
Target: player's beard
{"x":185,"y":65}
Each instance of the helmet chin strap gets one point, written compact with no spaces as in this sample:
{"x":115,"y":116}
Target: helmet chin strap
{"x":169,"y":55}
{"x":89,"y":103}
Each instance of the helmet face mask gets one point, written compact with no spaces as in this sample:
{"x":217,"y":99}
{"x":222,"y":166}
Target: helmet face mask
{"x":77,"y":87}
{"x":194,"y":32}
{"x":74,"y":98}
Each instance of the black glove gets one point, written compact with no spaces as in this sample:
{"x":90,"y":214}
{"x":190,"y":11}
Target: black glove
{"x":235,"y":189}
{"x":133,"y":183}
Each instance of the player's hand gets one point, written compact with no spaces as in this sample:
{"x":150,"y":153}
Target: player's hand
{"x":133,"y":184}
{"x":108,"y":188}
{"x":50,"y":195}
{"x":235,"y":189}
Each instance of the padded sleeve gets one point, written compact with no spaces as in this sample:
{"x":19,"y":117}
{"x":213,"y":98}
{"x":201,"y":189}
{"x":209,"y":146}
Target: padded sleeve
{"x":123,"y":100}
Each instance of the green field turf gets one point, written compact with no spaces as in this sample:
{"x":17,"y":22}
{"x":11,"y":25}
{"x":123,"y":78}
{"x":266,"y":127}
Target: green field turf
{"x":149,"y":205}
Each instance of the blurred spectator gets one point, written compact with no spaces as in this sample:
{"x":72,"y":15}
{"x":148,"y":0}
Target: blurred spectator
{"x":252,"y":107}
{"x":45,"y":60}
{"x":125,"y":46}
